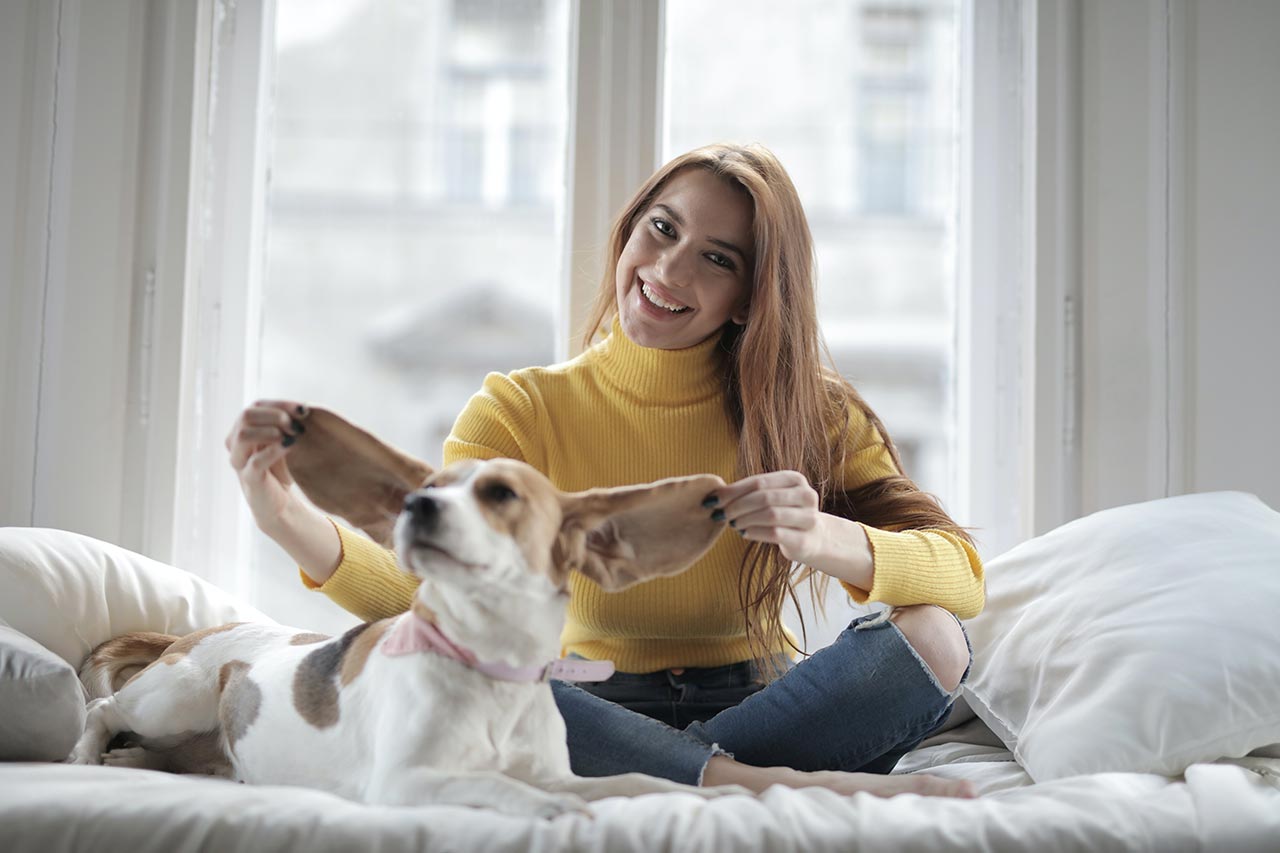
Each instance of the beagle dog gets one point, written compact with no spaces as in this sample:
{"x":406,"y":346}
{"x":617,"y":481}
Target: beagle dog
{"x":448,"y":703}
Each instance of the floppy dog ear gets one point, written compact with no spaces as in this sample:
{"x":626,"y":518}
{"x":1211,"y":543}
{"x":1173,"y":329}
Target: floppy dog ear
{"x":619,"y":537}
{"x":346,"y":471}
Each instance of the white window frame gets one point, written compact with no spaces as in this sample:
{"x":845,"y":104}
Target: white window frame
{"x":225,"y":269}
{"x":616,"y":107}
{"x":1018,"y":311}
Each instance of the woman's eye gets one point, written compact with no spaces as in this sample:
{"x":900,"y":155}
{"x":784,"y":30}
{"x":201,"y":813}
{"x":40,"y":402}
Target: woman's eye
{"x":499,"y":493}
{"x":664,"y":226}
{"x":720,"y":260}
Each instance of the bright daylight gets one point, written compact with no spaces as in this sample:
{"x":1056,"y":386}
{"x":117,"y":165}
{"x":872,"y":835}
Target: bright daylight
{"x":639,"y":425}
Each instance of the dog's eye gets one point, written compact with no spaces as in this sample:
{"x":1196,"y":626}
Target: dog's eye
{"x":498,"y":493}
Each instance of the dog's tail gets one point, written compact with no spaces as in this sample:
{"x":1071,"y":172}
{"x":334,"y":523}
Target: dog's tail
{"x":110,"y":666}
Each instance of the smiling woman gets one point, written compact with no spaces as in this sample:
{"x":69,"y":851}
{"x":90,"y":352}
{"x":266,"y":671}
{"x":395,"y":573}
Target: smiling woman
{"x":681,"y":276}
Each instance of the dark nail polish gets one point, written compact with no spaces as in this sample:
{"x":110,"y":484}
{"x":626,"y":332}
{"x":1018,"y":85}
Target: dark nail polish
{"x":733,"y":522}
{"x":718,"y":515}
{"x":709,"y":501}
{"x":289,"y":440}
{"x":298,"y":428}
{"x":302,"y":411}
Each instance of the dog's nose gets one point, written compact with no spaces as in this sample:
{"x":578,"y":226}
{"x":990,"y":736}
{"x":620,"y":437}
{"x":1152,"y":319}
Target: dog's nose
{"x":422,"y":508}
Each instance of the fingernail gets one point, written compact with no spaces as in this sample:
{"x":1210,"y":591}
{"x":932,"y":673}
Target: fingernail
{"x":302,"y":411}
{"x":709,"y":501}
{"x":297,"y":426}
{"x":718,"y":515}
{"x":733,"y":523}
{"x":741,"y":533}
{"x":289,"y":440}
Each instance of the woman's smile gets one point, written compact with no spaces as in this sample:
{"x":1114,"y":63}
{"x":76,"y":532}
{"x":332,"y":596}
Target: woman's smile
{"x":662,"y":299}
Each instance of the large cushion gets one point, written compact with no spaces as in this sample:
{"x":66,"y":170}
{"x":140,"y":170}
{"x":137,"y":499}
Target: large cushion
{"x":41,"y":701}
{"x":1143,"y":638}
{"x":70,"y":592}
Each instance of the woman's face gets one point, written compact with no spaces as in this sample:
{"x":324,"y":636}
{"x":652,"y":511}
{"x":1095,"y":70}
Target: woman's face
{"x":686,"y":269}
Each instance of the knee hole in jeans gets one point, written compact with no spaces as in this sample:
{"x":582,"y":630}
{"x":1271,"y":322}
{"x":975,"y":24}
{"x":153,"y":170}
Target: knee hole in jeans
{"x":937,"y":639}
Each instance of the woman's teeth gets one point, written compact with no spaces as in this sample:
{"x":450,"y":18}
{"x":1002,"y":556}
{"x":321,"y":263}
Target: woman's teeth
{"x":660,"y":302}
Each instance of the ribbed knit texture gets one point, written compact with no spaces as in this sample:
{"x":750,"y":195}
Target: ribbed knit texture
{"x":621,"y":414}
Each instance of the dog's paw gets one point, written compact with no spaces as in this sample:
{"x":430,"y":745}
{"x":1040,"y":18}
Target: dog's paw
{"x":134,"y":756}
{"x":84,"y":754}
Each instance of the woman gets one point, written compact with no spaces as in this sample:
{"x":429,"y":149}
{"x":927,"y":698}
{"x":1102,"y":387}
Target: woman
{"x":711,"y":365}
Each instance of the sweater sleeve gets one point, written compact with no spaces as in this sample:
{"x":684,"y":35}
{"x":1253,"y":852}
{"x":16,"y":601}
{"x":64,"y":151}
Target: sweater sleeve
{"x":369,"y":581}
{"x":909,"y":566}
{"x":499,"y":422}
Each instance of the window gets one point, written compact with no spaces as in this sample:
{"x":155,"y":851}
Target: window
{"x":412,"y":245}
{"x":863,"y":118}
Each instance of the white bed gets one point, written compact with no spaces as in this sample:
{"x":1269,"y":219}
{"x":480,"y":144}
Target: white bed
{"x":1221,"y":807}
{"x":1100,"y":747}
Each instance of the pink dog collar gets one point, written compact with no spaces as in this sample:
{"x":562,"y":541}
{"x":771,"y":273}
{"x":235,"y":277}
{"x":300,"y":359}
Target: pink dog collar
{"x":415,"y":634}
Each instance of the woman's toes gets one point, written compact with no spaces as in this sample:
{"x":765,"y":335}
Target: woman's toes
{"x":935,"y":786}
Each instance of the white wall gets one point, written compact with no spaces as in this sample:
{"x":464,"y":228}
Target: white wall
{"x":1180,"y":214}
{"x":95,"y":149}
{"x":70,"y":141}
{"x":1233,"y":202}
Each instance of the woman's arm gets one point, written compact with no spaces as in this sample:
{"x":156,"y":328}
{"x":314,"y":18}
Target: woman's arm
{"x":258,"y":446}
{"x":310,"y":539}
{"x":359,"y":575}
{"x":912,"y":566}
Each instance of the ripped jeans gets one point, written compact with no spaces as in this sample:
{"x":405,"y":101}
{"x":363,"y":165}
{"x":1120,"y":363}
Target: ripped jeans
{"x":859,"y":704}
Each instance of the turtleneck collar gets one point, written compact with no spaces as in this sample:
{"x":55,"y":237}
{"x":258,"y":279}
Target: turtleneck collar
{"x":669,"y":377}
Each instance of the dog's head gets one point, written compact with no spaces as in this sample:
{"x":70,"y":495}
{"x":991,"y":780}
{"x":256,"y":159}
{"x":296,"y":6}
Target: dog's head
{"x":501,"y":522}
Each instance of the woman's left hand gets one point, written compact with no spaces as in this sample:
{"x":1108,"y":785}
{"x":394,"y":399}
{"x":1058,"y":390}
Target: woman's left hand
{"x":779,"y":507}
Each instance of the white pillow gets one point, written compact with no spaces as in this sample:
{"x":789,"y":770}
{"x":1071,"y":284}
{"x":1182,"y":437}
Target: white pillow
{"x":1144,"y":638}
{"x":69,"y":592}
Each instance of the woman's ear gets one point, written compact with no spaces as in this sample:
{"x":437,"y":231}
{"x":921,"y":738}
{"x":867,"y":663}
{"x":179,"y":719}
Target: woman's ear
{"x":739,"y":316}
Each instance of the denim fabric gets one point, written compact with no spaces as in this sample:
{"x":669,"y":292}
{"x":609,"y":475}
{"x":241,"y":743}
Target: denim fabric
{"x":858,"y":705}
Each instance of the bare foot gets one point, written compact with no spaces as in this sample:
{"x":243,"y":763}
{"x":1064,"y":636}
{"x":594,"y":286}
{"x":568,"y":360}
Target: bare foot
{"x":884,"y":786}
{"x":721,"y":770}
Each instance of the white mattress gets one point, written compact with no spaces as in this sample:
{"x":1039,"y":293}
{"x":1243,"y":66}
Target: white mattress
{"x":1226,"y":806}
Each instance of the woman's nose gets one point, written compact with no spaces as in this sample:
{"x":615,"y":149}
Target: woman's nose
{"x":671,"y":267}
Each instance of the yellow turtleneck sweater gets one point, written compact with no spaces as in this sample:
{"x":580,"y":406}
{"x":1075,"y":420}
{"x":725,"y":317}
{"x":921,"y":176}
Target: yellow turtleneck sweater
{"x":621,"y":414}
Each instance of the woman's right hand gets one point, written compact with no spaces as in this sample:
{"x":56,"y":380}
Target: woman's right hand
{"x":258,"y":443}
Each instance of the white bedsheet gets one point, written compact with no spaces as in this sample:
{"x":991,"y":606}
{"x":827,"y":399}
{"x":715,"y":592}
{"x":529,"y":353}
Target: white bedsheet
{"x":1227,"y":806}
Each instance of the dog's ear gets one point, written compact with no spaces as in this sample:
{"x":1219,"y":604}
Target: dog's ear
{"x":346,"y":471}
{"x":619,"y":537}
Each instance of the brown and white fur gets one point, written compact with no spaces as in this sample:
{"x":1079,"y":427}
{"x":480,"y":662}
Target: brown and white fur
{"x":494,"y":544}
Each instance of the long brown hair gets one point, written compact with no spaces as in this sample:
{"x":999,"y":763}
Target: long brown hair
{"x":792,"y":411}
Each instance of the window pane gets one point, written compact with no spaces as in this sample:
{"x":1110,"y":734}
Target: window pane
{"x":858,"y":100}
{"x":412,"y":247}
